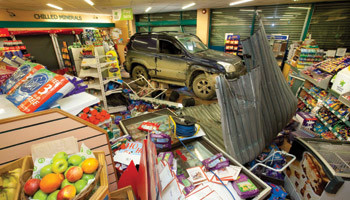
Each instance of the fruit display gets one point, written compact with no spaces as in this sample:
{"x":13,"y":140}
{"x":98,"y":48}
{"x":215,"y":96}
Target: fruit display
{"x":8,"y":184}
{"x":62,"y":179}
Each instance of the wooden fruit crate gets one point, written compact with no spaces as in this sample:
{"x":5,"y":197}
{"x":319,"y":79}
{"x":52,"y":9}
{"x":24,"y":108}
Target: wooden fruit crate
{"x":125,"y":193}
{"x":18,"y":134}
{"x":23,"y":163}
{"x":102,"y":191}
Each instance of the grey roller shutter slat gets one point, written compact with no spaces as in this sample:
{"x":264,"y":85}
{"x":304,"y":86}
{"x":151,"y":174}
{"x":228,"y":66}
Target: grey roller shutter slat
{"x":330,"y":25}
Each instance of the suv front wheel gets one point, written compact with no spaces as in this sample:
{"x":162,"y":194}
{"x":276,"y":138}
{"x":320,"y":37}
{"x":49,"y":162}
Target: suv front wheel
{"x":203,"y":87}
{"x":136,"y":73}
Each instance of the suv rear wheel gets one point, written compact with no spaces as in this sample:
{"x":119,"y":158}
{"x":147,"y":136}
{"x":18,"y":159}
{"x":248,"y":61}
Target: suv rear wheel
{"x":136,"y":73}
{"x":203,"y":88}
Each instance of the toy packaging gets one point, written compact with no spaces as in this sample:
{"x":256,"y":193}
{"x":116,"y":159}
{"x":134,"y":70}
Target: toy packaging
{"x":216,"y":162}
{"x":40,"y":91}
{"x":245,"y":187}
{"x":20,"y":75}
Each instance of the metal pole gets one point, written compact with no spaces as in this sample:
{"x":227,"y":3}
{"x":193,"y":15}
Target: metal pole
{"x":307,"y":22}
{"x":57,"y":50}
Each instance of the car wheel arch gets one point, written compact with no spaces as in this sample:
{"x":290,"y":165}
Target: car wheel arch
{"x":195,"y":71}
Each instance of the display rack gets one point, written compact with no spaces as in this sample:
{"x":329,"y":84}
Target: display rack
{"x":96,"y":68}
{"x":233,"y":44}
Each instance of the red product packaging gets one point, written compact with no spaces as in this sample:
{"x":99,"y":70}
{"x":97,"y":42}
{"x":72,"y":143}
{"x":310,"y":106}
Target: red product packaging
{"x":148,"y":126}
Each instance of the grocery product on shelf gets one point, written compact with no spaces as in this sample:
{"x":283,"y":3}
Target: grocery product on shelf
{"x":233,"y":45}
{"x":333,"y":65}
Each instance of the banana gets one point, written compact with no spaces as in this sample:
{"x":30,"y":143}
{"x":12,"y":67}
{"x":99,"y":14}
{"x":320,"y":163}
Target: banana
{"x":10,"y":192}
{"x":16,"y":172}
{"x":9,"y":181}
{"x":1,"y":183}
{"x":3,"y":195}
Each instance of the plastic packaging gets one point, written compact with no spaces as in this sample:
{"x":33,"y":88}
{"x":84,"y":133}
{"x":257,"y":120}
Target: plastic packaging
{"x":162,"y":141}
{"x":40,"y":91}
{"x":244,"y":187}
{"x":215,"y":162}
{"x":20,"y":75}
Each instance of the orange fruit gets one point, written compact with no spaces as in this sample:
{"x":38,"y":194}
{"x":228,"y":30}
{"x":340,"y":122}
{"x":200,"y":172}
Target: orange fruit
{"x":89,"y":165}
{"x":51,"y":182}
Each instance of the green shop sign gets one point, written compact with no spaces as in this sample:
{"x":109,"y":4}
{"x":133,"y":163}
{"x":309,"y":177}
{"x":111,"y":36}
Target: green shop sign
{"x":123,"y":14}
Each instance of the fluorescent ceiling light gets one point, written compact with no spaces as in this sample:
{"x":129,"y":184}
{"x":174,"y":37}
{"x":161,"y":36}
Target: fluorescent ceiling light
{"x":249,"y":10}
{"x":285,"y":19}
{"x":148,"y":9}
{"x":239,"y":2}
{"x":89,"y":2}
{"x":189,"y":5}
{"x":216,"y":12}
{"x":304,"y":8}
{"x":287,"y":15}
{"x":53,"y":6}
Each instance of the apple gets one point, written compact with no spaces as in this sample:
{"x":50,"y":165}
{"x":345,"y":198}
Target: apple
{"x":59,"y":165}
{"x":65,"y":182}
{"x":31,"y":186}
{"x":79,"y":185}
{"x":40,"y":195}
{"x":65,"y":173}
{"x":45,"y":170}
{"x":67,"y":193}
{"x":75,"y":160}
{"x":87,"y":177}
{"x":58,"y":155}
{"x":74,"y":174}
{"x":53,"y":195}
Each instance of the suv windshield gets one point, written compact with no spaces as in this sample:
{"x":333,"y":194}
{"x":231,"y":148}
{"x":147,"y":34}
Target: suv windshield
{"x":191,"y":43}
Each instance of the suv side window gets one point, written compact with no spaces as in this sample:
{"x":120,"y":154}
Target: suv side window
{"x":145,"y":43}
{"x":167,"y":47}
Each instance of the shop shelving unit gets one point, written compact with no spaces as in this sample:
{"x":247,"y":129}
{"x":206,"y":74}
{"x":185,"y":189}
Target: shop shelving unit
{"x":233,"y":45}
{"x":96,"y":68}
{"x":344,"y":119}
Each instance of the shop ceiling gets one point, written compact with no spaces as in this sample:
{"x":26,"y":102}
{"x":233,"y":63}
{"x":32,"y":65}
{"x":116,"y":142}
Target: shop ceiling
{"x":139,"y":6}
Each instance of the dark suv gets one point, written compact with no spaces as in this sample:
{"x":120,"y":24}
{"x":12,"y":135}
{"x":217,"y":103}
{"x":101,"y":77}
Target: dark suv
{"x":179,"y":59}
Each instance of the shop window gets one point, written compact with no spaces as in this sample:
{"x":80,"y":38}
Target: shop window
{"x":167,"y":47}
{"x":145,"y":43}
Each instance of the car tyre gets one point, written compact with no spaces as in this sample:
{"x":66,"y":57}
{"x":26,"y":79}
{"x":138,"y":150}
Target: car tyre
{"x":136,"y":73}
{"x":203,"y":88}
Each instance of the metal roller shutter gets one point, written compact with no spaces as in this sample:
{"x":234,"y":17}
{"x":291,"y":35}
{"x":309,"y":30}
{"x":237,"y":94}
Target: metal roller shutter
{"x":230,"y":20}
{"x":283,"y":19}
{"x":330,"y":25}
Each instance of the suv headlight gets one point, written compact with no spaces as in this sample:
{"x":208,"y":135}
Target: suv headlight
{"x":228,"y":66}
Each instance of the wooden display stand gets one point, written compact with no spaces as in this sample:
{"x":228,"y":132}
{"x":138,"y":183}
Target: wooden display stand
{"x":18,"y":134}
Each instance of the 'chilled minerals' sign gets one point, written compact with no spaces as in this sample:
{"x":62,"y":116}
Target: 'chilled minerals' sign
{"x":58,"y":17}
